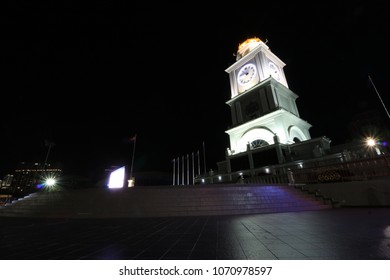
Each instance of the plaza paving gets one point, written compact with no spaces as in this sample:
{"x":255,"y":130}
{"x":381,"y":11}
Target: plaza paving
{"x":334,"y":234}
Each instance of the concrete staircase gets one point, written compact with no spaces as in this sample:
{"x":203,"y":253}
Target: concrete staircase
{"x":164,"y":201}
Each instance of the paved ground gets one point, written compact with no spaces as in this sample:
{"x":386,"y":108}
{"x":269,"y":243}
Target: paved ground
{"x":336,"y":234}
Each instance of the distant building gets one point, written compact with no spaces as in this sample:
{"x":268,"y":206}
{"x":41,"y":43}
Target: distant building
{"x":27,"y":178}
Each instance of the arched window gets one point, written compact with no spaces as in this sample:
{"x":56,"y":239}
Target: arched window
{"x":258,"y":143}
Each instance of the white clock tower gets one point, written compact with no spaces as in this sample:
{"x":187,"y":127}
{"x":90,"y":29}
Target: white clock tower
{"x":267,"y":135}
{"x":263,"y":108}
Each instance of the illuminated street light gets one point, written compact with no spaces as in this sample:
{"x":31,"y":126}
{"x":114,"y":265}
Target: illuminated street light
{"x":372,"y":143}
{"x":50,"y":182}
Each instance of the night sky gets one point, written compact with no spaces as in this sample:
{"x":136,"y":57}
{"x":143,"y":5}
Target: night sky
{"x":88,"y":78}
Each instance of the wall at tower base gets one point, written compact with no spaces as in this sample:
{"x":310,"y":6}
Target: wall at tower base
{"x":312,"y":148}
{"x":270,"y":160}
{"x":357,"y":193}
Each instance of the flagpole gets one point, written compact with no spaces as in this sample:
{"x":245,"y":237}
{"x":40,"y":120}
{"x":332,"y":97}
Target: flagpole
{"x":182,"y":170}
{"x":198,"y":162}
{"x":193,"y":172}
{"x":132,"y":159}
{"x":178,"y":171}
{"x":188,"y":170}
{"x":204,"y":158}
{"x":383,"y":104}
{"x":173,"y":174}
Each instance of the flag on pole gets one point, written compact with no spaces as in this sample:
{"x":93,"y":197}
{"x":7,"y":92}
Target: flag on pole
{"x":133,"y":139}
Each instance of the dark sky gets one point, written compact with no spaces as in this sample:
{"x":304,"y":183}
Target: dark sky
{"x":90,"y":77}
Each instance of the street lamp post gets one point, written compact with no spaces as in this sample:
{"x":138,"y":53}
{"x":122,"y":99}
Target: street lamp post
{"x":47,"y":155}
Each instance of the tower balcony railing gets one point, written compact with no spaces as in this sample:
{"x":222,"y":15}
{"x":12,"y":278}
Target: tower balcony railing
{"x":334,"y":170}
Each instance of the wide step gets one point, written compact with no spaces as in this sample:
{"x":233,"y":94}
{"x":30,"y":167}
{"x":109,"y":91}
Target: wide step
{"x":164,"y":201}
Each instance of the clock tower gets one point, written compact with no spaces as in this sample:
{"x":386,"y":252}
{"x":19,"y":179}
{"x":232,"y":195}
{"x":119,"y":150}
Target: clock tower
{"x":267,"y":135}
{"x":263,"y":108}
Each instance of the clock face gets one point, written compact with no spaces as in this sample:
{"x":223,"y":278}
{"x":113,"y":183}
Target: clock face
{"x":274,"y":70}
{"x":246,"y":74}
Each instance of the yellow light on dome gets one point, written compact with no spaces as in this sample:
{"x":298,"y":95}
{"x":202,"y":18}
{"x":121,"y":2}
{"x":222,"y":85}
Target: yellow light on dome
{"x":248,"y":41}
